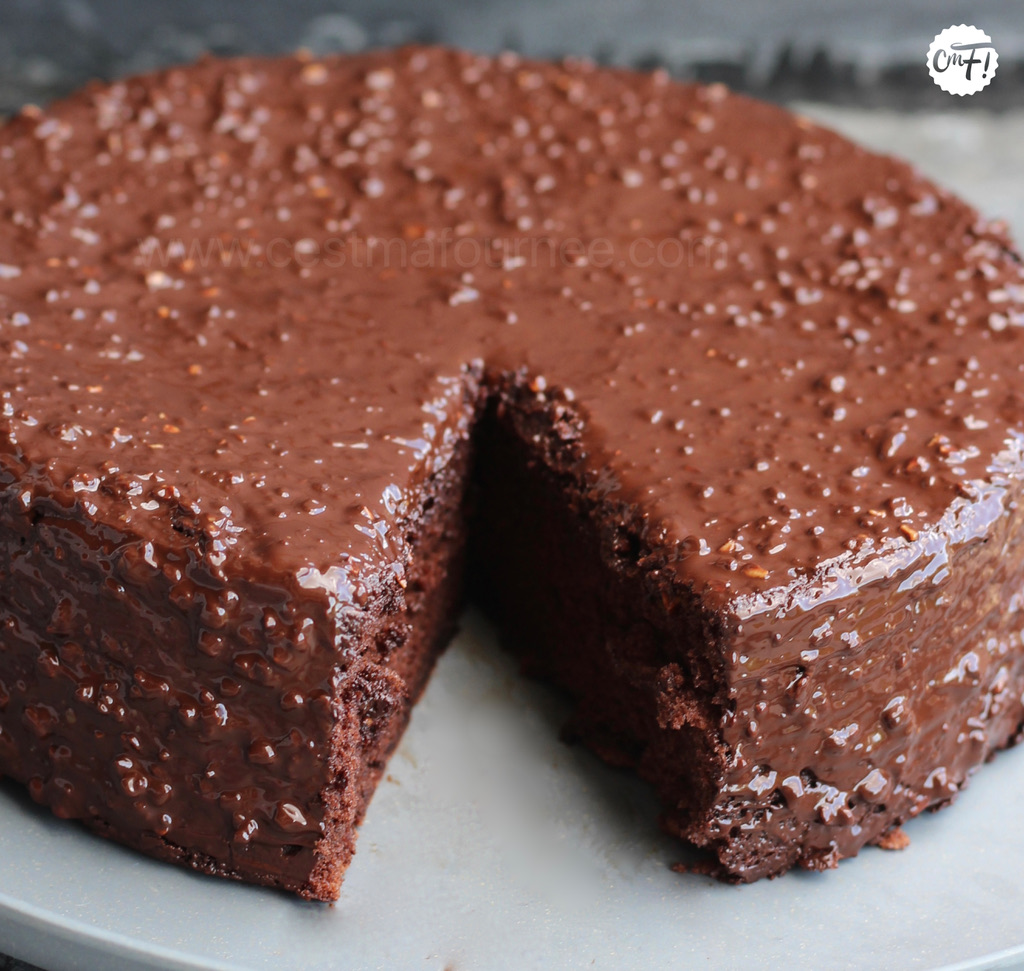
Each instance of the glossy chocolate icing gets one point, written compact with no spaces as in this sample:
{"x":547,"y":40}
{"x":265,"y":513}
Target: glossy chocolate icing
{"x":249,"y":313}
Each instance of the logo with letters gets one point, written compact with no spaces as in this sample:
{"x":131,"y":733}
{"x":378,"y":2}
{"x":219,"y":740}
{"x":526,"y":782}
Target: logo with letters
{"x":962,"y":60}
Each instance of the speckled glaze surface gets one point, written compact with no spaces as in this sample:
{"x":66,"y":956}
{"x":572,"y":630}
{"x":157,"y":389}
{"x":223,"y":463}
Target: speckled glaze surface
{"x":848,"y":274}
{"x":248,"y":309}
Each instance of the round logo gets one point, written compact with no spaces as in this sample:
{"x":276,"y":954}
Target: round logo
{"x":962,"y":59}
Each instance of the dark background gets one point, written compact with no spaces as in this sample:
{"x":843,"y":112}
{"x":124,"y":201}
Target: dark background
{"x":868,"y":53}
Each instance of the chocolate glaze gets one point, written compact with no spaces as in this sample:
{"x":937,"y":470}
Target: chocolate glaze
{"x":249,"y":313}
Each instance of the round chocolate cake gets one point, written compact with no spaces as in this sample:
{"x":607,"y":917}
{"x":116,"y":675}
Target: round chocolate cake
{"x":717,"y":414}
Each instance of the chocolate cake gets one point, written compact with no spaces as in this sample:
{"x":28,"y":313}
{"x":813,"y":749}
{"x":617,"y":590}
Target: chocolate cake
{"x":720,"y":414}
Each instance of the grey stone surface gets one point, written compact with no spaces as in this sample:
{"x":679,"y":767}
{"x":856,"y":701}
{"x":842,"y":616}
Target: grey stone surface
{"x":10,"y":964}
